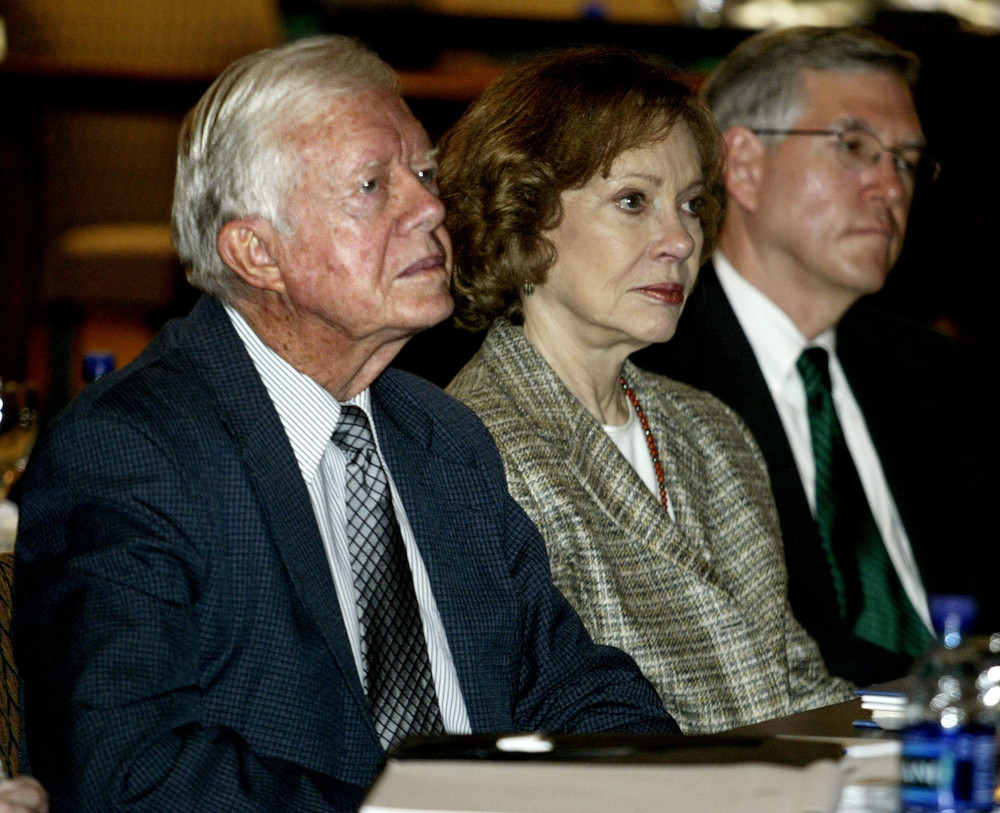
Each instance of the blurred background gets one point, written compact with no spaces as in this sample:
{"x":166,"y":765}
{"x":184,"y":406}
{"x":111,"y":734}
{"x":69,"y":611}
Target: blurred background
{"x":92,"y":93}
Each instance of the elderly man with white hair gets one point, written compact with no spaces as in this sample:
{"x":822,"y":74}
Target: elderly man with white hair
{"x":254,"y":560}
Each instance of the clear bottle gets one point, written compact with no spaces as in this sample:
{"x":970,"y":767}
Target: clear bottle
{"x":949,"y":740}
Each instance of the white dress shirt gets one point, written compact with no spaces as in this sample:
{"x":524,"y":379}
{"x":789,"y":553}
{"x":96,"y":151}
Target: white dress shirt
{"x":310,"y":414}
{"x":777,"y":343}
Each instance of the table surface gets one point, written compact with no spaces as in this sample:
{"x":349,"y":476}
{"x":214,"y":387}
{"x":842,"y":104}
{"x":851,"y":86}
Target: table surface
{"x":830,"y":721}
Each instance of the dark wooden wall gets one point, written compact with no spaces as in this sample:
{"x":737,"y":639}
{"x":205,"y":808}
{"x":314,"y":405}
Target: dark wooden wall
{"x":946,"y":275}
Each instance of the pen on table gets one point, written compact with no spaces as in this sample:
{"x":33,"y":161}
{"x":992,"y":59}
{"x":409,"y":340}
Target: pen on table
{"x":865,"y":724}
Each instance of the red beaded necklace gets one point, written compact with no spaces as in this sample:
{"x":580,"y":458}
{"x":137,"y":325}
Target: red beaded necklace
{"x":654,"y":452}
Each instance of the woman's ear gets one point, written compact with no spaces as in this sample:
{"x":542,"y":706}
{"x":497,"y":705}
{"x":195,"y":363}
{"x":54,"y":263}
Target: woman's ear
{"x":246,"y":247}
{"x":745,"y":157}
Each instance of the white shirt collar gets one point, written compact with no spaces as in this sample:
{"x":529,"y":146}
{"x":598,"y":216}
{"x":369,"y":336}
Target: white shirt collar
{"x":775,"y":339}
{"x":307,"y":411}
{"x":777,"y":343}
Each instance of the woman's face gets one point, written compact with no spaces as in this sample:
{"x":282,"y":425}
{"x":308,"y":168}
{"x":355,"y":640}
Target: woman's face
{"x":628,"y":249}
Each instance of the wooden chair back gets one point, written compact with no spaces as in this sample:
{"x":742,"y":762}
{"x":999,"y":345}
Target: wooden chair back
{"x":10,"y":711}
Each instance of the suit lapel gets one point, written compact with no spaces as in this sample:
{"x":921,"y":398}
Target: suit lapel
{"x":890,"y":400}
{"x":246,"y":409}
{"x":468,"y":579}
{"x":582,"y":450}
{"x":727,"y":367}
{"x":619,"y":492}
{"x":678,"y":454}
{"x":895,"y":407}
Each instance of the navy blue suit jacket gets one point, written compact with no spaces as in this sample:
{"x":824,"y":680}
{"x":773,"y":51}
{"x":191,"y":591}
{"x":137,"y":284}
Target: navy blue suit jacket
{"x":925,"y":412}
{"x":177,"y":628}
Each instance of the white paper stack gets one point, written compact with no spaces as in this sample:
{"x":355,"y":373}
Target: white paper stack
{"x":887,"y":708}
{"x":763,"y":776}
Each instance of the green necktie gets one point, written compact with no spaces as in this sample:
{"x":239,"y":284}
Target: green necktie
{"x":870,"y":596}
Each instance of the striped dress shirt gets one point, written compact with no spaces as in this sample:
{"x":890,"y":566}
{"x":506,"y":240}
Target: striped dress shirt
{"x":310,"y":414}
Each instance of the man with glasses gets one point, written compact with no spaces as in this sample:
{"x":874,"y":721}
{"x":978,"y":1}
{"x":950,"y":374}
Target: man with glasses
{"x":868,"y":424}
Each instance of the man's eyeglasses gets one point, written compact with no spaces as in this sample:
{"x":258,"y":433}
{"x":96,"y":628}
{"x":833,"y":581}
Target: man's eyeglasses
{"x":859,"y":149}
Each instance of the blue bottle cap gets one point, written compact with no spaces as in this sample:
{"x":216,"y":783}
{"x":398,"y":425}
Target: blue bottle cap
{"x":952,"y":615}
{"x":97,"y":364}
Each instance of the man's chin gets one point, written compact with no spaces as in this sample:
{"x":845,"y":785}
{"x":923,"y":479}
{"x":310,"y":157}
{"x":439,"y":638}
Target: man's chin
{"x":868,"y":275}
{"x":429,"y":312}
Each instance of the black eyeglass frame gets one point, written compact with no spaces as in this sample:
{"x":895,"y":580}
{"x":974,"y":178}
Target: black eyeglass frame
{"x":930,"y":175}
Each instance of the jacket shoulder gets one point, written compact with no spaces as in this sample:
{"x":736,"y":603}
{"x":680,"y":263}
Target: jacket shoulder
{"x":414,"y":402}
{"x":692,"y":402}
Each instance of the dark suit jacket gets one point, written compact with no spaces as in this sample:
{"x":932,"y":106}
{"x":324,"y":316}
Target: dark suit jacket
{"x":176,"y":623}
{"x":926,"y":417}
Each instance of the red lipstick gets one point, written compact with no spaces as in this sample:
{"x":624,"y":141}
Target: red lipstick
{"x":670,"y":293}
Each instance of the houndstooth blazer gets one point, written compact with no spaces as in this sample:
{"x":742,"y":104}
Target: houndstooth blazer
{"x":700,"y":603}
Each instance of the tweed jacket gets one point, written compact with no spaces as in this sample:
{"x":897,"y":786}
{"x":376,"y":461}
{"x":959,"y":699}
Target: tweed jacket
{"x":701,"y":603}
{"x":177,"y":628}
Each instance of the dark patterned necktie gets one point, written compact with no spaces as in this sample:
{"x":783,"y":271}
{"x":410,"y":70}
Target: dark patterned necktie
{"x":393,"y":650}
{"x":870,"y":595}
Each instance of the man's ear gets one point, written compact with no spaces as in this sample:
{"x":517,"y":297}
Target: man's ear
{"x":245,"y":246}
{"x":745,"y":158}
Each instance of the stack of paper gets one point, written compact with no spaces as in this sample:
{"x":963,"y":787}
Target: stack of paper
{"x":625,"y":774}
{"x":887,"y":708}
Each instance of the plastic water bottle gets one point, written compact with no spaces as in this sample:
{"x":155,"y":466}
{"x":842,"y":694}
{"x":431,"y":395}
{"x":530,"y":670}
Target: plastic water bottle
{"x":949,"y":754}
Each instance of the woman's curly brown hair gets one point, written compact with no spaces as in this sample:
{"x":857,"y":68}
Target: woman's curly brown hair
{"x":548,"y":125}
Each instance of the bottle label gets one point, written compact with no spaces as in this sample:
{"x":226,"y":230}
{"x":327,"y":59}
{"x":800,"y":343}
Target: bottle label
{"x":948,"y":770}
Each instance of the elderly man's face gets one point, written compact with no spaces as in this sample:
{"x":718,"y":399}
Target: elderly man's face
{"x":369,"y":257}
{"x":833,"y":232}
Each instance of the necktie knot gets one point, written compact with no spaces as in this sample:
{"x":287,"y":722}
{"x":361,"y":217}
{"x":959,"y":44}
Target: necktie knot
{"x":814,"y":367}
{"x":353,"y":434}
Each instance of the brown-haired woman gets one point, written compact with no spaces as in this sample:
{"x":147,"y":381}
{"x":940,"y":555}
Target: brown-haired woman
{"x":579,"y":198}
